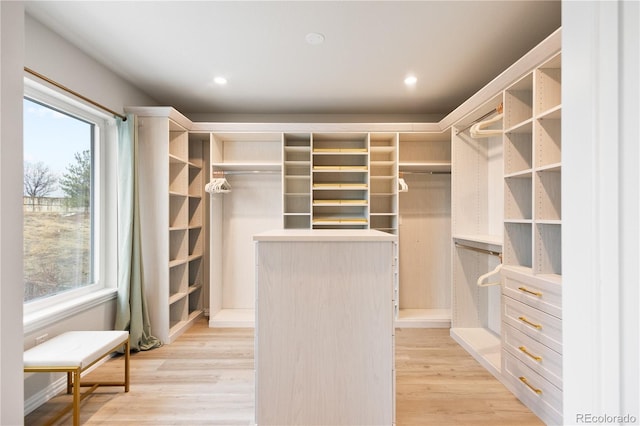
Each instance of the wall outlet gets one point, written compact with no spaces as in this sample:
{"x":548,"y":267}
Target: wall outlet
{"x":41,"y":339}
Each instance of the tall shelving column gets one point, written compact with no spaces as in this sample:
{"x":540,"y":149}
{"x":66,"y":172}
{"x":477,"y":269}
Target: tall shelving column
{"x":178,"y":228}
{"x":532,"y":291}
{"x":296,"y":181}
{"x":383,"y":175}
{"x":425,"y":230}
{"x":477,"y":223}
{"x":340,"y":180}
{"x":198,"y":241}
{"x":518,"y":137}
{"x":172,"y":224}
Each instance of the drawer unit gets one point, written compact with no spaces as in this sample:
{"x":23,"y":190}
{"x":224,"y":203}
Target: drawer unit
{"x":538,"y":293}
{"x":534,"y":323}
{"x":540,"y":395}
{"x":535,"y":355}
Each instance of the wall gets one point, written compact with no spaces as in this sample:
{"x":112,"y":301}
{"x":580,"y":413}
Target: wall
{"x":50,"y":55}
{"x":11,"y":37}
{"x":600,"y":193}
{"x":54,"y":57}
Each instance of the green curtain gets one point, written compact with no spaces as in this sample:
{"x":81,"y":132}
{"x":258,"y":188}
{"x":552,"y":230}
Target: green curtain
{"x":131,"y":313}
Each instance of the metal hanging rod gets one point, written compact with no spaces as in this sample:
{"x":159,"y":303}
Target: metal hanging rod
{"x":481,"y":250}
{"x":496,"y":110}
{"x":220,"y":173}
{"x":74,"y":93}
{"x":425,"y":173}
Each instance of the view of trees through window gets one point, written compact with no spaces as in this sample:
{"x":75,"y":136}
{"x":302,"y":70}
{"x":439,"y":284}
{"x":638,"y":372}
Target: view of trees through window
{"x":57,"y":202}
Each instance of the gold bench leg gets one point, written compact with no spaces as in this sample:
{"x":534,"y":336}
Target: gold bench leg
{"x":126,"y":366}
{"x":76,"y":397}
{"x":69,"y":382}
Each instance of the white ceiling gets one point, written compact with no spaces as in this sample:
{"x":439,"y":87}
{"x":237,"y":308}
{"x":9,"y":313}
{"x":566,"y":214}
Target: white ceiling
{"x":172,"y":50}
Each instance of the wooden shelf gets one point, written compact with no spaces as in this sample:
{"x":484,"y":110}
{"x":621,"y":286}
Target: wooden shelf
{"x":483,"y":345}
{"x":423,"y":318}
{"x":440,"y":166}
{"x":229,"y":166}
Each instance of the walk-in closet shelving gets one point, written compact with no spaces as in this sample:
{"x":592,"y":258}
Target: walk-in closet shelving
{"x":424,"y":230}
{"x":532,"y":295}
{"x":383,"y":175}
{"x":172,"y":165}
{"x":477,"y":224}
{"x":296,"y":180}
{"x":340,"y":180}
{"x":252,"y":163}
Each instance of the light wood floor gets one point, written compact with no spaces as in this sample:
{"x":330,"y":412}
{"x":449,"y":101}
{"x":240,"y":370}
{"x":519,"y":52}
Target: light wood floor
{"x":206,"y":378}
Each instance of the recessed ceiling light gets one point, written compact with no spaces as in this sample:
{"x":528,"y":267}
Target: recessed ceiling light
{"x":220,"y":81}
{"x":411,"y":80}
{"x":314,"y":38}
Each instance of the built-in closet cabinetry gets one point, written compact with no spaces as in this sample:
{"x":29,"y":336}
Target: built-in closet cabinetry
{"x":172,"y":171}
{"x":383,"y":178}
{"x":506,"y":204}
{"x":532,"y":307}
{"x":477,"y":224}
{"x":327,"y":179}
{"x":424,"y":229}
{"x":251,"y":162}
{"x":296,"y":181}
{"x":340,"y":181}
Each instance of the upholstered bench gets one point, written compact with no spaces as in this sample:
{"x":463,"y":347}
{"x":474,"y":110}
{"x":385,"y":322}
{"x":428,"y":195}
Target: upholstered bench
{"x":72,"y":353}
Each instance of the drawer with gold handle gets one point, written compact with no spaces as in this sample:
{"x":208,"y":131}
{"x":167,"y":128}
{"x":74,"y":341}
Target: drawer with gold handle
{"x":536,"y":324}
{"x":535,"y":355}
{"x":540,"y":293}
{"x":540,"y":395}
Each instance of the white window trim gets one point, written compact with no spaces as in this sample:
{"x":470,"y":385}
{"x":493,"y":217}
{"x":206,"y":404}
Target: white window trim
{"x":40,"y":313}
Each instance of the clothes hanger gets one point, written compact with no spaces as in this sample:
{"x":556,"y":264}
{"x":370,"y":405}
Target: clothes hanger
{"x":479,"y":130}
{"x":483,"y":277}
{"x":218,"y":184}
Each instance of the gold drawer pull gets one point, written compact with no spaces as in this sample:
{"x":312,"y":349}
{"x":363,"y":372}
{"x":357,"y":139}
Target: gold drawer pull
{"x":524,"y":380}
{"x":526,"y":290}
{"x":526,"y":321}
{"x":526,"y":352}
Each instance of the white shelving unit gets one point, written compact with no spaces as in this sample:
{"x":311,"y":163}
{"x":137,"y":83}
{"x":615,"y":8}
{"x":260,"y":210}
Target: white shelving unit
{"x":172,"y":170}
{"x":252,"y":164}
{"x":532,"y":295}
{"x":425,"y":230}
{"x":383,"y":182}
{"x":477,"y":223}
{"x":296,"y":181}
{"x":340,"y":180}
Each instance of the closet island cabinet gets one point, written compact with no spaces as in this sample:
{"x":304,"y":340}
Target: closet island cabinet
{"x":172,"y":168}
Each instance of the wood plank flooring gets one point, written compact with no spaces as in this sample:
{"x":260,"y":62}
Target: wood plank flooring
{"x":206,"y":378}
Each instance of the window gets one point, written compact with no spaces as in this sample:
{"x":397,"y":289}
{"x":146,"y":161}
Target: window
{"x":68,"y":240}
{"x":58,"y":209}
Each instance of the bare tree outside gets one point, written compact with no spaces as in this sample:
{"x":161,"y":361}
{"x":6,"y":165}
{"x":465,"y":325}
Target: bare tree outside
{"x":39,"y":181}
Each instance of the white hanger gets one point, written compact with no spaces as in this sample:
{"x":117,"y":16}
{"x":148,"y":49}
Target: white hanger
{"x":218,"y":184}
{"x":403,"y":185}
{"x":478,"y":130}
{"x":483,"y":277}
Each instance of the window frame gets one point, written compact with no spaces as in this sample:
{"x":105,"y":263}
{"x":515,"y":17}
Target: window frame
{"x":44,"y":311}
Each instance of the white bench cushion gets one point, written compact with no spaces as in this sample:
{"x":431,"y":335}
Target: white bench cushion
{"x":74,"y":348}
